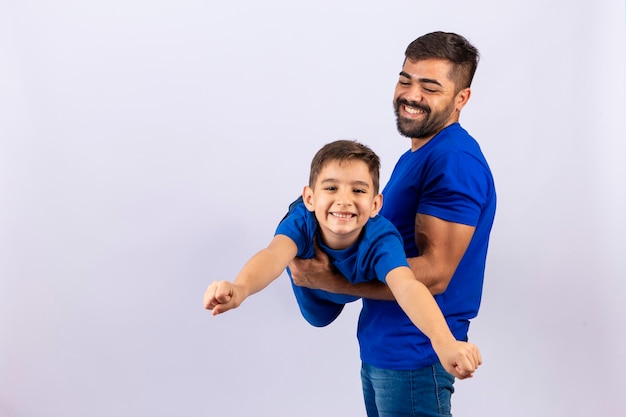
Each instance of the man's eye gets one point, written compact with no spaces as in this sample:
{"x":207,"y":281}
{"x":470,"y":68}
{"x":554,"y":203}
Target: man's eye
{"x":429,"y":90}
{"x":404,"y":83}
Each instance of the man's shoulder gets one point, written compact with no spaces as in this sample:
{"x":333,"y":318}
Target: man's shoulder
{"x":456,"y":144}
{"x":455,"y":138}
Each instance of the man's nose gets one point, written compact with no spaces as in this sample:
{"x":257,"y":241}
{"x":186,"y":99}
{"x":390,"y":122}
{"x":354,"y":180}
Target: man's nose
{"x":414,"y":94}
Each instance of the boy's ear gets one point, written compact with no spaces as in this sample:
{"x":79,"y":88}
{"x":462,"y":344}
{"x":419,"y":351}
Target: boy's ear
{"x":307,"y":198}
{"x":378,"y":204}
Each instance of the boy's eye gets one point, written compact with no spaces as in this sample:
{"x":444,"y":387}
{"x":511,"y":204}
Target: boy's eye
{"x":360,"y":190}
{"x":330,"y":188}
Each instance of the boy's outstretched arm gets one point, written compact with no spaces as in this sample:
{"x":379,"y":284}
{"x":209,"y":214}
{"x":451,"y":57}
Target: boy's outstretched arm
{"x":459,"y":358}
{"x":263,"y":268}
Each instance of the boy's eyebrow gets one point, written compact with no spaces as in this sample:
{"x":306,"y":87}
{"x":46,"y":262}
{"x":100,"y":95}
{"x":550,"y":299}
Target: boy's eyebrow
{"x":333,"y":180}
{"x":422,"y":80}
{"x":361,"y":183}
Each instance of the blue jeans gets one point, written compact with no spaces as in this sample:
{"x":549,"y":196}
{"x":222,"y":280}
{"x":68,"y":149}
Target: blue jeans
{"x":422,"y":392}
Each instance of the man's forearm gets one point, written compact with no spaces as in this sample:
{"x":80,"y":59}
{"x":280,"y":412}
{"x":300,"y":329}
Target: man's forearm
{"x":336,"y":283}
{"x":318,"y":273}
{"x":374,"y":290}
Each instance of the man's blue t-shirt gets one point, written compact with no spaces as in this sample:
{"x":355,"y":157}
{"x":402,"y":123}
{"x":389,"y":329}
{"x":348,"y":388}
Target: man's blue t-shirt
{"x":378,"y":251}
{"x":447,"y":178}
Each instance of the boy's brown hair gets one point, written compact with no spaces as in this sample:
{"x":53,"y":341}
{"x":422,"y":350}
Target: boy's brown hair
{"x":346,"y":150}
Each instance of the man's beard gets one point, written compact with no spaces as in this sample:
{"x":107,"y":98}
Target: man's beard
{"x":419,"y":129}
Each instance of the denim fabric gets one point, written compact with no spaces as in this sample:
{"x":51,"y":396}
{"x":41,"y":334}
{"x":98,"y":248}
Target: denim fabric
{"x":424,"y":392}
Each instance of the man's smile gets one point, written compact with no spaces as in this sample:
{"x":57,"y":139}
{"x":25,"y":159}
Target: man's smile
{"x":413,"y":110}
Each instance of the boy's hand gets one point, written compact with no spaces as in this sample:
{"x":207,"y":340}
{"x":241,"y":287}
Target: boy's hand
{"x":460,"y":359}
{"x":221,"y":296}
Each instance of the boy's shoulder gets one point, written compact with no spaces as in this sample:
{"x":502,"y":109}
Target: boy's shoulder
{"x":299,"y":214}
{"x":378,"y":227}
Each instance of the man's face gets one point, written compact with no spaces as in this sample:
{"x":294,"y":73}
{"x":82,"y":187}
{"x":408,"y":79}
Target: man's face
{"x":424,"y":100}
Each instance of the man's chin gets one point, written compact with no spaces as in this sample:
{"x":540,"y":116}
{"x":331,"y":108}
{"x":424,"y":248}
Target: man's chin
{"x":409,"y":133}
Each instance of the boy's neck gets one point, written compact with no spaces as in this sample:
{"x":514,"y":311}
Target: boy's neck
{"x":338,"y":243}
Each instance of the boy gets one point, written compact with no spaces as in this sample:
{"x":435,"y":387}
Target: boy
{"x":339,"y":211}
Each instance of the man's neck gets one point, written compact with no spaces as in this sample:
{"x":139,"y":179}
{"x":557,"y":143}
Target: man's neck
{"x":417,"y":143}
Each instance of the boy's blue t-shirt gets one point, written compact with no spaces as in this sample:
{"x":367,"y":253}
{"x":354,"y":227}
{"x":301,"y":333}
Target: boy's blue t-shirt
{"x":378,"y":251}
{"x":447,"y":178}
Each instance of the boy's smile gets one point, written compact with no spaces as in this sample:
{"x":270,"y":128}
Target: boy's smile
{"x":343,"y":200}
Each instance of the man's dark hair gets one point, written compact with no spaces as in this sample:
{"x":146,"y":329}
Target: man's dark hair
{"x":449,"y":46}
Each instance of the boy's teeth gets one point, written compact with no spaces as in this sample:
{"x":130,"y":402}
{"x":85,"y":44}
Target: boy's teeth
{"x":342,"y":215}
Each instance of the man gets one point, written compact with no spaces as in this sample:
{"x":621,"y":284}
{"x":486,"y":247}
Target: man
{"x":441,"y":198}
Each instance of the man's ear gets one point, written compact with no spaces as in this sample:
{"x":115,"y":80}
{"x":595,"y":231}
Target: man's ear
{"x":462,"y":97}
{"x":378,"y":204}
{"x":307,"y":198}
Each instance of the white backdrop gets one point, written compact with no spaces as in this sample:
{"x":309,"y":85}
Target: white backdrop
{"x":150,"y":147}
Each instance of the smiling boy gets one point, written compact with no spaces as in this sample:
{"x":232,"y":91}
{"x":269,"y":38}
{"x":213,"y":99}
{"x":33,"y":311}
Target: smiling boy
{"x":339,"y":211}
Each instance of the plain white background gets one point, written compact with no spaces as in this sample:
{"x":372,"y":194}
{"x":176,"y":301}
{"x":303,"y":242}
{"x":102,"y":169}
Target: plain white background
{"x":150,"y":147}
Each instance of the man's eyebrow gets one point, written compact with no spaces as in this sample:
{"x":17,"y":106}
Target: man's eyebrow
{"x":421,"y":80}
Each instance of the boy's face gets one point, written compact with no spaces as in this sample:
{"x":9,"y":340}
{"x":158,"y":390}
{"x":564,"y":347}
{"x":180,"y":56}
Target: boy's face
{"x":343,"y":200}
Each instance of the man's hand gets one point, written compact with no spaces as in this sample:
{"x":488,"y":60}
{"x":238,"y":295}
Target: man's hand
{"x":315,"y":273}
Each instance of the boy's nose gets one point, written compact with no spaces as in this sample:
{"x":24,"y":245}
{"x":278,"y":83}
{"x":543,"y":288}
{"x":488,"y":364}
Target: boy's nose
{"x":344,"y":199}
